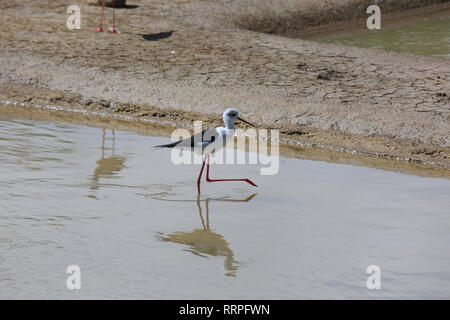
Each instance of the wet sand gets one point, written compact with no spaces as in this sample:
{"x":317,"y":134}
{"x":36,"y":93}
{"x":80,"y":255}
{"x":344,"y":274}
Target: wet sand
{"x":379,"y":103}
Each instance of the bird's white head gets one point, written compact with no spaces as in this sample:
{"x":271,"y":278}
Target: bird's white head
{"x":230,"y":115}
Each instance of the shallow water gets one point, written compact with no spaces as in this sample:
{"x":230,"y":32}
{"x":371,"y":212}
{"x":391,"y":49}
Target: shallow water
{"x":427,"y":34}
{"x":130,"y":220}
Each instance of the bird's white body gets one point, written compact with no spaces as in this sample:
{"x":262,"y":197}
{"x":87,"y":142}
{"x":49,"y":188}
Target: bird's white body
{"x":220,"y":140}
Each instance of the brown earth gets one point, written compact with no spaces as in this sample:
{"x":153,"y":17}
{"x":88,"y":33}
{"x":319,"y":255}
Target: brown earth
{"x":176,"y":61}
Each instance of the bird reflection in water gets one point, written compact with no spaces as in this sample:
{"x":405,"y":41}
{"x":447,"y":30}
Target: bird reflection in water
{"x":106,"y":167}
{"x":204,"y":242}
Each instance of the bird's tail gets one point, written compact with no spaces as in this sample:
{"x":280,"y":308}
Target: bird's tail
{"x":169,"y":145}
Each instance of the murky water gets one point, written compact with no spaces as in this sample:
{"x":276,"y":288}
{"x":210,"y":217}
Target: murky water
{"x":131,"y":221}
{"x":425,"y":35}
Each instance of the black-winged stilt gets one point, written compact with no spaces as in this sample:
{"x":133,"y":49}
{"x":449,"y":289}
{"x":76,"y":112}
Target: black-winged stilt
{"x":209,"y":140}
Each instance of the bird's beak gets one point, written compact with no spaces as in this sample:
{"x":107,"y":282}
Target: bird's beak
{"x":239,"y":118}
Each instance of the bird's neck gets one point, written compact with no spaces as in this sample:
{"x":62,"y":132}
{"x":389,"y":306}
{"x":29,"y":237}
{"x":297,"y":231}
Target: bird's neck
{"x":229,"y":123}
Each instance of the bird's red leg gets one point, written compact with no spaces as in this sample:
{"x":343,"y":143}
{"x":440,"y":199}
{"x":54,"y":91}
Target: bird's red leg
{"x":200,"y":176}
{"x":100,"y":29}
{"x":114,"y":19}
{"x":217,"y":180}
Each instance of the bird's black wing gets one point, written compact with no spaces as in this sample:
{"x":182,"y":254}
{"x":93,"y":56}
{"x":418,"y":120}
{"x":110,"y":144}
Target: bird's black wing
{"x":207,"y":135}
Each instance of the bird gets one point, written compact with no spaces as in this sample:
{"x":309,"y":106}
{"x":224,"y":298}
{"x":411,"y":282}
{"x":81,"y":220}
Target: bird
{"x":209,"y":140}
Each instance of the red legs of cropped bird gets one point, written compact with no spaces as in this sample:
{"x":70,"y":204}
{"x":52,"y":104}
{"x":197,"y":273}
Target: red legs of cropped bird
{"x":113,"y":30}
{"x":100,"y":29}
{"x":216,"y":180}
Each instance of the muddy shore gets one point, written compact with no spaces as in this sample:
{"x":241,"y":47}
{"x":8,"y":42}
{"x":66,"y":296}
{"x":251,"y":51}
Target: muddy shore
{"x":180,"y":60}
